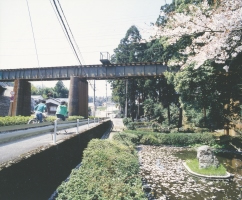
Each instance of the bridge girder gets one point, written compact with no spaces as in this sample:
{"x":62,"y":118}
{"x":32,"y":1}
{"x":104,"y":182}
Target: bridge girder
{"x":89,"y":72}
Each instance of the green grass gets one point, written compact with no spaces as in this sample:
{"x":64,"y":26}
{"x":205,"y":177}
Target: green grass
{"x":211,"y":171}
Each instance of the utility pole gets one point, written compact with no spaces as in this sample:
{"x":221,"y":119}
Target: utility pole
{"x":106,"y":100}
{"x":94,"y":105}
{"x":126,"y":99}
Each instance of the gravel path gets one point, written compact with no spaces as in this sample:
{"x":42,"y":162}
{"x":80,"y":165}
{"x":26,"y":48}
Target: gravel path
{"x":117,"y":126}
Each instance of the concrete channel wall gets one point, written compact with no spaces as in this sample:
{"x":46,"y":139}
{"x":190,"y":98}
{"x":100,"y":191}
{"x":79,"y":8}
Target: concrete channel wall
{"x":38,"y":176}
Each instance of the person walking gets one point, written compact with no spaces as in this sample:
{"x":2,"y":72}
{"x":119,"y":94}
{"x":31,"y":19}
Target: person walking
{"x":61,"y":111}
{"x":39,"y":110}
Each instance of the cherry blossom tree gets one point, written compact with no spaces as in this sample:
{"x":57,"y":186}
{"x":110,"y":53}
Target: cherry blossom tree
{"x":204,"y":34}
{"x":215,"y":31}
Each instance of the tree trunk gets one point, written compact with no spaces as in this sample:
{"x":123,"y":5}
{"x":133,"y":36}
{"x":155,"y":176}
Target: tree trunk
{"x":169,"y":114}
{"x":126,"y":99}
{"x":133,"y":101}
{"x":159,"y":91}
{"x":138,"y":107}
{"x":204,"y":116}
{"x":180,"y":118}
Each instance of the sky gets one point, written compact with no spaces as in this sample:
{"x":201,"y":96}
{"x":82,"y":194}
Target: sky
{"x":97,"y":26}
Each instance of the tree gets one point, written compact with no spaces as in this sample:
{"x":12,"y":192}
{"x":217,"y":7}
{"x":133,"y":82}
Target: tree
{"x":60,"y":90}
{"x":149,"y":108}
{"x":203,"y":34}
{"x":34,"y":90}
{"x":197,"y":87}
{"x":129,"y":50}
{"x":215,"y":31}
{"x":118,"y":93}
{"x":45,"y":92}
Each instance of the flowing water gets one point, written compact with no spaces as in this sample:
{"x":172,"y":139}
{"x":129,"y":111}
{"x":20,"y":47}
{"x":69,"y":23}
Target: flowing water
{"x":164,"y":176}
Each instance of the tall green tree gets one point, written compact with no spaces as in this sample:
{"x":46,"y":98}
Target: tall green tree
{"x":129,"y":50}
{"x":197,"y":87}
{"x":60,"y":90}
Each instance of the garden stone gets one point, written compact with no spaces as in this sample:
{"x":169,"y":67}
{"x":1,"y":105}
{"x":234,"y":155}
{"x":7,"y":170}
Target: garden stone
{"x":206,"y":157}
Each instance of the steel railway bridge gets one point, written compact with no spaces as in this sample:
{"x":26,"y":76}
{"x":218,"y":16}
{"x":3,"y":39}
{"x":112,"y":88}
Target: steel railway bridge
{"x":78,"y":76}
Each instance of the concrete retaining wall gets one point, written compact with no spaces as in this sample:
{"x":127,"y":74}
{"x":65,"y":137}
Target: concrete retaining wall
{"x":38,"y":176}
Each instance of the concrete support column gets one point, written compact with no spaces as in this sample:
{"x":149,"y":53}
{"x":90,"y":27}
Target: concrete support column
{"x":78,"y":97}
{"x":126,"y":98}
{"x":21,"y":104}
{"x":73,"y":106}
{"x":83,"y":98}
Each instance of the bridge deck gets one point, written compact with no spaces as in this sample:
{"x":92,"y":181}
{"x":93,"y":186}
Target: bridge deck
{"x":112,"y":71}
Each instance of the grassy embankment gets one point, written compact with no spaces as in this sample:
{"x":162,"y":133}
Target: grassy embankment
{"x":210,"y":171}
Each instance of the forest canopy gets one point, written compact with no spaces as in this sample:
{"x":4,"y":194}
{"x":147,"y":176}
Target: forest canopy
{"x":203,"y":40}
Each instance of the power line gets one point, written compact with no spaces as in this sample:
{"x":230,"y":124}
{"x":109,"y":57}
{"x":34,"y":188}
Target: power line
{"x":71,"y":33}
{"x":92,"y":36}
{"x":36,"y":52}
{"x":65,"y":30}
{"x":35,"y":43}
{"x":77,"y":48}
{"x":64,"y":23}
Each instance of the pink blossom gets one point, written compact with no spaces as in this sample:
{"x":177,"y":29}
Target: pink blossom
{"x":221,"y":28}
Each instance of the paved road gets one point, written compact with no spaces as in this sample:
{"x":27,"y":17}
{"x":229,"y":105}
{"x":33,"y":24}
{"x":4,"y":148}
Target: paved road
{"x":21,"y":148}
{"x":118,"y":124}
{"x":13,"y":151}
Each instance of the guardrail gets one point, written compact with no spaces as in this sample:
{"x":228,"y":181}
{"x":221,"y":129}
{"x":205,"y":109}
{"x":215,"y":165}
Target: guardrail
{"x":60,"y":125}
{"x":29,"y":130}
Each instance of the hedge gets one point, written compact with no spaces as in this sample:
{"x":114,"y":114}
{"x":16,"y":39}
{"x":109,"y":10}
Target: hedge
{"x":109,"y":170}
{"x":18,"y":120}
{"x":175,"y":139}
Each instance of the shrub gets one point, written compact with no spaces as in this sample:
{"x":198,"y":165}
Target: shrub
{"x":127,"y":138}
{"x":207,"y":139}
{"x":18,"y":120}
{"x":230,"y":142}
{"x":201,"y":130}
{"x":176,"y":139}
{"x":15,"y":120}
{"x":174,"y":130}
{"x":149,"y":140}
{"x":165,"y":129}
{"x":131,"y":126}
{"x":126,"y":121}
{"x":155,"y":127}
{"x":109,"y":171}
{"x":75,"y":117}
{"x":142,"y":124}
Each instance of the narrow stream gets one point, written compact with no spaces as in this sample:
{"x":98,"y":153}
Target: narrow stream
{"x":166,"y":178}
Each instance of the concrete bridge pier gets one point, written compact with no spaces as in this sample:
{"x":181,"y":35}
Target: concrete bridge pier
{"x":21,"y":104}
{"x":78,"y":97}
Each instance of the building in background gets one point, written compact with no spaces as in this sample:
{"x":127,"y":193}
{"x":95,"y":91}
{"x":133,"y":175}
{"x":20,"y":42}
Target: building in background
{"x":53,"y":103}
{"x":5,"y":89}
